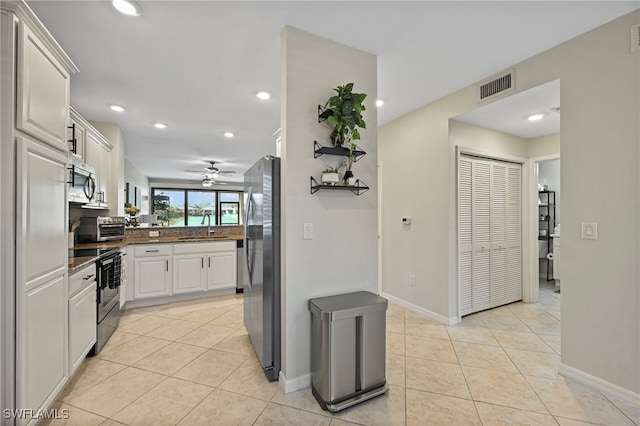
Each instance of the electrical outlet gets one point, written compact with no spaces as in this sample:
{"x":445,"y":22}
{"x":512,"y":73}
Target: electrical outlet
{"x":412,"y":280}
{"x":308,"y":231}
{"x":154,"y":234}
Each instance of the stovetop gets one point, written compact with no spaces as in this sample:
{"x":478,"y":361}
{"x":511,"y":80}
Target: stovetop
{"x":92,"y":252}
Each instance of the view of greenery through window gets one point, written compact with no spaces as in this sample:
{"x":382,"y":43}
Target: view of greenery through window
{"x":186,"y":207}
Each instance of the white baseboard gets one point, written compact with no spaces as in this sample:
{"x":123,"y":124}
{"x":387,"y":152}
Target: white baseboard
{"x":295,"y":384}
{"x":422,"y":311}
{"x":599,"y":384}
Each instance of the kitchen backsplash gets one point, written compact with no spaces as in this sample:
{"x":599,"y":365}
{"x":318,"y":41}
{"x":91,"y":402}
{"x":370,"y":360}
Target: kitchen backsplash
{"x":183,"y":231}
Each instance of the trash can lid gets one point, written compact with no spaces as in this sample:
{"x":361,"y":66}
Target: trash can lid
{"x":349,"y":304}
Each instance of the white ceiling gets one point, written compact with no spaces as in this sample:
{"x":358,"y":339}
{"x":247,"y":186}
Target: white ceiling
{"x":197,"y":65}
{"x":510,"y":115}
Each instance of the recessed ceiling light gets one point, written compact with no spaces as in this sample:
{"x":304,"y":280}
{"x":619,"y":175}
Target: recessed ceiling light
{"x":160,"y":125}
{"x":535,"y":117}
{"x":127,"y":7}
{"x":263,"y":95}
{"x":117,"y":108}
{"x":379,"y":102}
{"x":228,"y":134}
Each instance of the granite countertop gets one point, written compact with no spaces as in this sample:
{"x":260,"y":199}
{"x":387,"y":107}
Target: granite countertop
{"x":76,"y":263}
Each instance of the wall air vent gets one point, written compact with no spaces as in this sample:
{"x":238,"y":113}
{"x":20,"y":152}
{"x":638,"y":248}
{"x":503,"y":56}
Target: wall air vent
{"x":497,"y":85}
{"x":635,"y":38}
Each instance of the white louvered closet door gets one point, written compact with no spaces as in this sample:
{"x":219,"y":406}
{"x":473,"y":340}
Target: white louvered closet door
{"x":489,"y":228}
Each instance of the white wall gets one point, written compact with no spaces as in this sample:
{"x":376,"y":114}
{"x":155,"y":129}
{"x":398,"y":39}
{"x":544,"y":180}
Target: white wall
{"x":543,"y":145}
{"x":342,"y":256}
{"x":600,"y":154}
{"x":115,"y":197}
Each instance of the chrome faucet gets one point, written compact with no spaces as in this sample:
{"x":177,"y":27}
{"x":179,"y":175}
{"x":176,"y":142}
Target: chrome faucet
{"x":208,"y":216}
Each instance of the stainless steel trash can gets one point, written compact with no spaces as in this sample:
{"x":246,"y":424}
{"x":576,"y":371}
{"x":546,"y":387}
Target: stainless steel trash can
{"x":348,"y":334}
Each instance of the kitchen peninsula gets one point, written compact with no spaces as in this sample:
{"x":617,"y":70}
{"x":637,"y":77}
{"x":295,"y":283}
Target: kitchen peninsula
{"x":172,"y":264}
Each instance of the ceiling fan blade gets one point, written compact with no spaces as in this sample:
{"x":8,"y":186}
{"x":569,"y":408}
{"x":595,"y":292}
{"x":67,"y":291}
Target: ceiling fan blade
{"x":226,"y":172}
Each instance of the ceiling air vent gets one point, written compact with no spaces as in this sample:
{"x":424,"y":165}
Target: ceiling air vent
{"x":635,"y":38}
{"x":497,"y":85}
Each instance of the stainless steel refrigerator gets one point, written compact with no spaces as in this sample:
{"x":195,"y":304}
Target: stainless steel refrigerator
{"x":261,"y":278}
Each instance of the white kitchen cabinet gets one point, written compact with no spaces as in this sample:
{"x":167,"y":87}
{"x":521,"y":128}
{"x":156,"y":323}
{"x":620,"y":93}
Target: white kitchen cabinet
{"x":189,"y":273}
{"x":98,"y":154}
{"x":42,"y":91}
{"x":218,"y":265}
{"x":152,"y":265}
{"x":34,"y":153}
{"x":77,"y":135}
{"x":41,"y":271}
{"x":222,"y":270}
{"x":82,"y":315}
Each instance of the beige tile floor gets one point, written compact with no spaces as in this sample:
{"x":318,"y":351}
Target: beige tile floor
{"x":192,"y":364}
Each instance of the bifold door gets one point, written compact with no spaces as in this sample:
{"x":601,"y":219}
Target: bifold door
{"x":489,"y":233}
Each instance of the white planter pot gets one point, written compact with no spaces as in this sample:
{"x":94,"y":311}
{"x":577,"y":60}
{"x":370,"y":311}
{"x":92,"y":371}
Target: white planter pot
{"x":330,"y":178}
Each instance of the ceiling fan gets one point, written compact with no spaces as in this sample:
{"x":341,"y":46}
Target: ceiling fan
{"x":211,"y":173}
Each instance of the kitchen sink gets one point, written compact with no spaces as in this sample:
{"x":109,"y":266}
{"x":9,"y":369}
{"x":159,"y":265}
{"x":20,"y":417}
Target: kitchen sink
{"x":193,"y":238}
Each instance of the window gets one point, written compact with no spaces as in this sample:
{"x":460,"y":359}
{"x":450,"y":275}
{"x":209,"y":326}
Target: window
{"x":189,"y":207}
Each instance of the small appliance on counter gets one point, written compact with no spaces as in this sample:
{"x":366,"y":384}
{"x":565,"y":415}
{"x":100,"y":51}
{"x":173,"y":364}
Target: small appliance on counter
{"x":101,"y":228}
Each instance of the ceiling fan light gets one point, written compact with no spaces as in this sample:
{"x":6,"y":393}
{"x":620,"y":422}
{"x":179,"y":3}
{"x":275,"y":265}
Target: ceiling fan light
{"x":127,"y":7}
{"x":207,"y":183}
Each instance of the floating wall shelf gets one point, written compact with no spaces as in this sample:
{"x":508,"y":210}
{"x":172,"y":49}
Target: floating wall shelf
{"x":358,"y":188}
{"x":319,"y":150}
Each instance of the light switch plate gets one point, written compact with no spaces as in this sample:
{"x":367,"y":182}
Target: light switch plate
{"x":154,"y":233}
{"x":589,"y":231}
{"x":308,"y":231}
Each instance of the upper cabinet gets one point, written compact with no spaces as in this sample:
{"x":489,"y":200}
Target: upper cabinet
{"x":94,"y":149}
{"x":42,"y":91}
{"x":77,"y":134}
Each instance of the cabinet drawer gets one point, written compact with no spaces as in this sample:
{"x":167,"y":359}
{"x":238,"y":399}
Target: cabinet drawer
{"x":208,"y":247}
{"x":81,"y":278}
{"x":152,"y":250}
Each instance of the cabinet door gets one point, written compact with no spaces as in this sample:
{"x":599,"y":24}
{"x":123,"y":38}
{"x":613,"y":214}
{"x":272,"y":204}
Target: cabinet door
{"x":82,"y":325}
{"x":42,"y":355}
{"x":105,"y":174}
{"x":43,"y":92}
{"x":92,"y":155}
{"x":188,"y":273}
{"x":77,"y":139}
{"x":222,"y":270}
{"x":152,"y":277}
{"x":42,"y":210}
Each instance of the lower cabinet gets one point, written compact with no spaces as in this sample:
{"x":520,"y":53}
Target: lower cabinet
{"x":43,"y":351}
{"x":153,"y":278}
{"x":222,"y":270}
{"x":165,"y":269}
{"x":188,"y":273}
{"x":82,"y":318}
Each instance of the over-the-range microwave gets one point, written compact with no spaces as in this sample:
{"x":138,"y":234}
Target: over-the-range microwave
{"x":82,"y":182}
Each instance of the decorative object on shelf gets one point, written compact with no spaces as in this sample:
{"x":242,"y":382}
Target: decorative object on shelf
{"x":351,"y":158}
{"x":132,"y":214}
{"x":344,"y":111}
{"x":331,"y":176}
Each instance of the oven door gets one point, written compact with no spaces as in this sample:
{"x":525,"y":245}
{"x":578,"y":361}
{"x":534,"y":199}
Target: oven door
{"x":108,"y":284}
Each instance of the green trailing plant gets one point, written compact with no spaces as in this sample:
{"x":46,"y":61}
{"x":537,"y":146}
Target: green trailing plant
{"x":351,"y":158}
{"x":346,"y":110}
{"x":332,"y":170}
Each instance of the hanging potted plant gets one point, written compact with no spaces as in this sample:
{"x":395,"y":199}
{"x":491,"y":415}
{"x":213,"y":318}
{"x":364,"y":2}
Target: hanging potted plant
{"x":344,"y":111}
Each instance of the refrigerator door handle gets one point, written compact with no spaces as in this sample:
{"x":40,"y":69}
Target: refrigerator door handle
{"x":247,"y":246}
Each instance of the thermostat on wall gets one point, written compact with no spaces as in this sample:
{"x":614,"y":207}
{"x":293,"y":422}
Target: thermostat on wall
{"x":406,"y":220}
